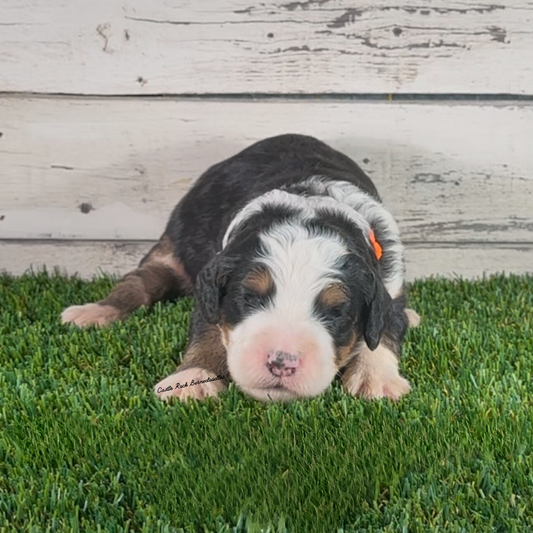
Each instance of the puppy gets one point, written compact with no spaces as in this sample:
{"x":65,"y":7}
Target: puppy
{"x":298,"y":271}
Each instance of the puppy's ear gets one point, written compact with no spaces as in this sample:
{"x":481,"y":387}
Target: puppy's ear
{"x":211,"y":287}
{"x":376,"y":311}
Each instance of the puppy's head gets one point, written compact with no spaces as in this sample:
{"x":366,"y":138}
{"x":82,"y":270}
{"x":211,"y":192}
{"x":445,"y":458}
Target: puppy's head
{"x":291,"y":304}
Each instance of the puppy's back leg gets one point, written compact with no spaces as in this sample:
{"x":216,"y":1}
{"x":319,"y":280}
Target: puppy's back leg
{"x":160,"y":275}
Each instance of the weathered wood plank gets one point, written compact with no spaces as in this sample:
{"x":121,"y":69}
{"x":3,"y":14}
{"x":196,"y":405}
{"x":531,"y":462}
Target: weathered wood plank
{"x":468,"y":261}
{"x":113,"y":168}
{"x":87,"y":259}
{"x":117,"y":258}
{"x":281,"y":46}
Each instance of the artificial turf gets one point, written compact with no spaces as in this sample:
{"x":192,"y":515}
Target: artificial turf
{"x":85,"y":446}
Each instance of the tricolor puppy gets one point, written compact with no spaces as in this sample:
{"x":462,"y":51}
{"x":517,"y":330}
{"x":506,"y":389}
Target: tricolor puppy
{"x":298,"y":271}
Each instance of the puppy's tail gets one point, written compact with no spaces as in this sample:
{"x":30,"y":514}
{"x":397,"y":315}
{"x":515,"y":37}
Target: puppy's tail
{"x":413,"y":317}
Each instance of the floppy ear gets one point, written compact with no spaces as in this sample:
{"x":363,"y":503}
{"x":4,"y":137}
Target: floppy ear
{"x":376,"y":312}
{"x":210,"y":287}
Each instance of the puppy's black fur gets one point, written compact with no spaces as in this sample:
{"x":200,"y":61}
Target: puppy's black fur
{"x":198,"y":223}
{"x":190,"y":256}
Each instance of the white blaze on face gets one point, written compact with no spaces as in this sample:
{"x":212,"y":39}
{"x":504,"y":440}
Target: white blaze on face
{"x":301,"y":266}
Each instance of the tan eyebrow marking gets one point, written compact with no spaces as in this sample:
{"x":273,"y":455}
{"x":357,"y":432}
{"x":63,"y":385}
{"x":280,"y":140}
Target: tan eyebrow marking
{"x":260,"y":281}
{"x":332,"y":295}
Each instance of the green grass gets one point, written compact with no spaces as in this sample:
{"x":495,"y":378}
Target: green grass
{"x":85,"y":446}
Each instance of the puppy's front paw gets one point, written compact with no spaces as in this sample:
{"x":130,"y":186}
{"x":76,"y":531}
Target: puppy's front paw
{"x":90,"y":315}
{"x":194,"y":382}
{"x":372,"y":386}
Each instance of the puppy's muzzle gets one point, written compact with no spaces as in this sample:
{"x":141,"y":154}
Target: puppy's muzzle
{"x":282,"y":364}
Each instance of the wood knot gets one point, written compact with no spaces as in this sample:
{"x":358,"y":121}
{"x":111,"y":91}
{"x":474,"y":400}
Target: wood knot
{"x":86,"y":208}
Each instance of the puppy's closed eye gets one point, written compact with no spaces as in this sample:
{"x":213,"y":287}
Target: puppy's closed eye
{"x":332,"y":304}
{"x":258,"y":288}
{"x":253,"y":299}
{"x":336,"y":312}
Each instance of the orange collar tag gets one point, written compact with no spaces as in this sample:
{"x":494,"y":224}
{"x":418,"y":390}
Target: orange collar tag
{"x":378,"y":250}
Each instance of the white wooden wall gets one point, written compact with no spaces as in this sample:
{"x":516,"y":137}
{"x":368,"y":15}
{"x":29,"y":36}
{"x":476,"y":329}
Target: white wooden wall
{"x":109,"y":109}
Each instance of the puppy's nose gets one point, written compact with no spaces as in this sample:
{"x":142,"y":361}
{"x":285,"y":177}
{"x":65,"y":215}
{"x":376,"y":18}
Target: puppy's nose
{"x":282,"y":364}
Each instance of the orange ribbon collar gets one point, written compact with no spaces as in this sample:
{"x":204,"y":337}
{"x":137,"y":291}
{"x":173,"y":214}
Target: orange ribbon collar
{"x":378,"y":250}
